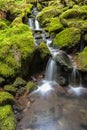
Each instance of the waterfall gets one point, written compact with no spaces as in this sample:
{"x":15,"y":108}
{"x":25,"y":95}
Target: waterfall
{"x":75,"y":77}
{"x":31,"y":23}
{"x":37,"y":26}
{"x":51,"y":70}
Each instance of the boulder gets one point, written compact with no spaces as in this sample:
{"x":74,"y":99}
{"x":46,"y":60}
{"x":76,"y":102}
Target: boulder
{"x":67,"y":38}
{"x":16,"y":50}
{"x":63,"y":60}
{"x":6,"y":98}
{"x":81,"y":60}
{"x":30,"y":86}
{"x":7,"y":118}
{"x":19,"y":82}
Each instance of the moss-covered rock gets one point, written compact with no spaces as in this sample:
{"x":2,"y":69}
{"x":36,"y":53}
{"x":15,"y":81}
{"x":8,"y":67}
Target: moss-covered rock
{"x":19,"y":82}
{"x":47,"y":13}
{"x":16,"y":48}
{"x":43,"y":50}
{"x":7,"y":118}
{"x":81,"y":60}
{"x":2,"y":81}
{"x":10,"y":89}
{"x":70,"y":16}
{"x":67,"y":38}
{"x":55,"y":25}
{"x":30,"y":86}
{"x":6,"y":98}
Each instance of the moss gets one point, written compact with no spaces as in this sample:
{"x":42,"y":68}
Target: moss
{"x":47,"y":13}
{"x":67,"y":38}
{"x":82,"y":60}
{"x":55,"y":25}
{"x":39,"y":6}
{"x":7,"y":119}
{"x":16,"y":46}
{"x":43,"y":50}
{"x":16,"y":21}
{"x":79,"y":13}
{"x":10,"y":89}
{"x":2,"y":80}
{"x":31,"y":86}
{"x":6,"y":98}
{"x":19,"y":82}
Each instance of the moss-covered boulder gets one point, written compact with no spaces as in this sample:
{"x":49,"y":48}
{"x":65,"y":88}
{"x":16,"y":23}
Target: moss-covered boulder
{"x":71,"y":17}
{"x":55,"y":25}
{"x":6,"y":98}
{"x":19,"y":82}
{"x":10,"y":89}
{"x":2,"y":81}
{"x":30,"y":86}
{"x":81,"y":60}
{"x":67,"y":38}
{"x":43,"y":50}
{"x":16,"y":50}
{"x":7,"y":118}
{"x":47,"y":13}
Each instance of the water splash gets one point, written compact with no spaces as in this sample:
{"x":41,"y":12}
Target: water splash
{"x":78,"y":90}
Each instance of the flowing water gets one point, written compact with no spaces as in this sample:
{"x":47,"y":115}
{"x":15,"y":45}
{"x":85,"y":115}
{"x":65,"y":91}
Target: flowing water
{"x":55,"y":107}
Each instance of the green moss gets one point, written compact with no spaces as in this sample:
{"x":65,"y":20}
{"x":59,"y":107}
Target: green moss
{"x":16,"y":21}
{"x":79,"y":13}
{"x":55,"y":25}
{"x":47,"y":13}
{"x":43,"y":50}
{"x":31,"y":86}
{"x":6,"y":98}
{"x":19,"y":82}
{"x":16,"y":46}
{"x":10,"y":89}
{"x":7,"y":119}
{"x":67,"y":38}
{"x":82,"y":60}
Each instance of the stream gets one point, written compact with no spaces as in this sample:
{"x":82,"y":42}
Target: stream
{"x":54,"y":107}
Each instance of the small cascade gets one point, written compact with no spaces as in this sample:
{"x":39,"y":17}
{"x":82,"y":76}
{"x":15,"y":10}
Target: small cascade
{"x":75,"y":77}
{"x":31,"y":23}
{"x":75,"y":86}
{"x":37,"y":26}
{"x":51,"y":70}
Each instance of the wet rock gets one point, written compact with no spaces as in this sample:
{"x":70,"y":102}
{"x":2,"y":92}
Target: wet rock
{"x":62,"y":59}
{"x":19,"y":82}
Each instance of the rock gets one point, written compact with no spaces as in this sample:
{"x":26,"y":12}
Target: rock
{"x":68,"y":38}
{"x":43,"y":51}
{"x":44,"y":16}
{"x":7,"y":118}
{"x":16,"y":50}
{"x":6,"y":98}
{"x":62,"y":59}
{"x":10,"y":89}
{"x":30,"y":86}
{"x":81,"y":60}
{"x":19,"y":82}
{"x":2,"y":81}
{"x":55,"y":25}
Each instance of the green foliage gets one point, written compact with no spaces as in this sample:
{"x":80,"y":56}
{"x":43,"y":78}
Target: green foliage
{"x":6,"y":98}
{"x":16,"y":45}
{"x":82,"y":60}
{"x":43,"y":50}
{"x":7,"y":119}
{"x":19,"y":82}
{"x":31,"y":86}
{"x":67,"y":38}
{"x":10,"y":89}
{"x":55,"y":25}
